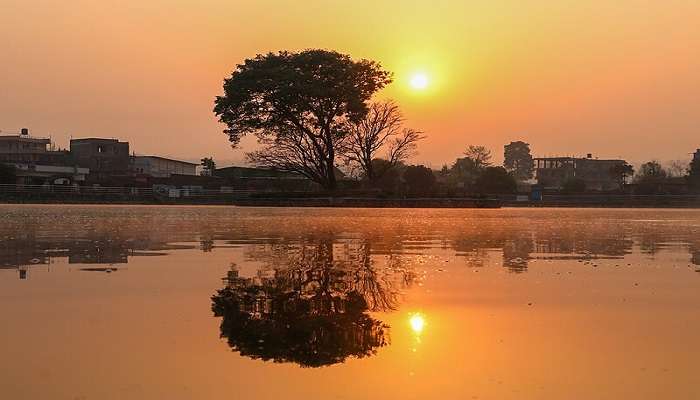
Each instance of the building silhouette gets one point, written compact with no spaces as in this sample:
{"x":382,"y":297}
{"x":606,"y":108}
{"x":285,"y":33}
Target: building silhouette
{"x":555,"y":172}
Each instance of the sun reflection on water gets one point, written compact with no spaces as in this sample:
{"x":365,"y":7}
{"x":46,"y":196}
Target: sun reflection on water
{"x":417,"y":322}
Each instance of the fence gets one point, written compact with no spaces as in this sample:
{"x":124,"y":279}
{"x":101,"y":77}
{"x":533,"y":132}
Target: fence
{"x":110,"y":193}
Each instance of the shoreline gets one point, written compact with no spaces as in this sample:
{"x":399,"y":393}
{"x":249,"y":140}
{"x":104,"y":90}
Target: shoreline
{"x":660,"y":201}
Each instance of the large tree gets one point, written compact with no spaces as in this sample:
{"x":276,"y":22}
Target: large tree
{"x":480,"y":156}
{"x":419,"y":180}
{"x":381,"y":129}
{"x":651,"y":170}
{"x":620,"y":172}
{"x":518,"y":160}
{"x":300,"y":106}
{"x":650,"y":177}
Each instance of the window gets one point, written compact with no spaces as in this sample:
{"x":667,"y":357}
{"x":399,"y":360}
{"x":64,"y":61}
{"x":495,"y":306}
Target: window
{"x":100,"y":149}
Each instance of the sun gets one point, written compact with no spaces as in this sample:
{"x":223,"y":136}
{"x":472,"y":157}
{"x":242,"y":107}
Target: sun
{"x":417,"y":322}
{"x":419,"y":81}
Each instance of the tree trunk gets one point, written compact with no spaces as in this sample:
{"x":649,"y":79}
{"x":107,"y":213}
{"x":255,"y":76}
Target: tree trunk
{"x":331,"y":183}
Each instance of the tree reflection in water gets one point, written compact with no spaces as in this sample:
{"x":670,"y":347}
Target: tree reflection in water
{"x":309,"y":305}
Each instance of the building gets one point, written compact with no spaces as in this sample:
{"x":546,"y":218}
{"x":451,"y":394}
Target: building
{"x":105,"y":158}
{"x":161,"y":167}
{"x":696,"y":156}
{"x":555,"y":172}
{"x":36,"y":164}
{"x":22,"y":143}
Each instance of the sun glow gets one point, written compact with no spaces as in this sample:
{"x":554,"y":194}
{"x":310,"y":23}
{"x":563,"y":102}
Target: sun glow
{"x":417,"y":323}
{"x":419,"y":81}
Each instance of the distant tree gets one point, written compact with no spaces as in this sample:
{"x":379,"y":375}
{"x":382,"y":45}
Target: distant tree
{"x":649,"y":178}
{"x":480,"y":156}
{"x":620,"y":172}
{"x":651,"y":170}
{"x":300,"y":107}
{"x":495,"y":180}
{"x":389,"y":179}
{"x":419,"y":180}
{"x":381,"y":129}
{"x":517,"y":160}
{"x":208,"y":166}
{"x":677,"y":168}
{"x":463,"y":173}
{"x":8,"y":174}
{"x":574,"y":185}
{"x":694,"y":173}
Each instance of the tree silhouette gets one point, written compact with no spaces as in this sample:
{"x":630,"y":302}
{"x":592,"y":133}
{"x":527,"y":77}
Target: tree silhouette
{"x":495,"y":180}
{"x":479,"y":156}
{"x":621,"y":172}
{"x":518,"y":160}
{"x":300,"y":106}
{"x":694,"y":172}
{"x":381,"y":129}
{"x":208,"y":166}
{"x":419,"y":179}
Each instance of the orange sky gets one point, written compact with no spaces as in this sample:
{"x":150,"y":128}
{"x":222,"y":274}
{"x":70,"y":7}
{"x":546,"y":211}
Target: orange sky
{"x":569,"y":77}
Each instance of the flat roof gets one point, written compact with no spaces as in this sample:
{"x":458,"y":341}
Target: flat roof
{"x":96,"y":138}
{"x":24,"y":137}
{"x":167,"y":159}
{"x":575,"y":158}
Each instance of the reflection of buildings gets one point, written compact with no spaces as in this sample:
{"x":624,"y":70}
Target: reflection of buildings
{"x":516,"y":253}
{"x":520,"y":245}
{"x":27,"y":251}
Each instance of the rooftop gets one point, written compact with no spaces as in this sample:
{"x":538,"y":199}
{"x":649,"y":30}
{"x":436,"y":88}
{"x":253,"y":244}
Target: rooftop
{"x":94,"y":139}
{"x":25,"y":138}
{"x":571,"y":158}
{"x":167,"y":159}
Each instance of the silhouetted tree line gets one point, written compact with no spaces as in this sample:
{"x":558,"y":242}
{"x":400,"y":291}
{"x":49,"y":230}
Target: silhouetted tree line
{"x":313,"y":114}
{"x":654,"y":178}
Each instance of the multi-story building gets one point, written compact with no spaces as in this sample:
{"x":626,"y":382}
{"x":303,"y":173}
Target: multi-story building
{"x":555,"y":172}
{"x":104,"y":157}
{"x":35,"y":163}
{"x":22,"y":143}
{"x":161,"y":167}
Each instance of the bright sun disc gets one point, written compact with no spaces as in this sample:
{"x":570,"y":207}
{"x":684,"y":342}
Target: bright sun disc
{"x":417,"y":323}
{"x":419,"y":81}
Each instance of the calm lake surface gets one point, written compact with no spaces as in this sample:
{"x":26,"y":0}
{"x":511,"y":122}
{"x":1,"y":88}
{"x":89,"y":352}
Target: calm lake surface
{"x":143,"y":302}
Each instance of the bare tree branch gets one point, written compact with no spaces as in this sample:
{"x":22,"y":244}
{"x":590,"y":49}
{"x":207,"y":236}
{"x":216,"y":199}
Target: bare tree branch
{"x":380,"y":129}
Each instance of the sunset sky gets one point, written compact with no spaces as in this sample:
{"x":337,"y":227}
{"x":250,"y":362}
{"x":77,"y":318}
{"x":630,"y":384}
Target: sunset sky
{"x":612,"y":78}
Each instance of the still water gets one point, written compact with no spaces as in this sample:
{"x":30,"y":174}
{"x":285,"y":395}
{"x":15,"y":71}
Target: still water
{"x":140,"y":302}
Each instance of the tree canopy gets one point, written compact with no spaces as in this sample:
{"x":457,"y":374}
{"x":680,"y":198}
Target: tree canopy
{"x":518,"y":161}
{"x":419,"y":179}
{"x":495,"y":180}
{"x":300,"y":105}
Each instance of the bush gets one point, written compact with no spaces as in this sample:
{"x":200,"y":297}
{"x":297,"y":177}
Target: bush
{"x":495,"y":180}
{"x":8,"y":174}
